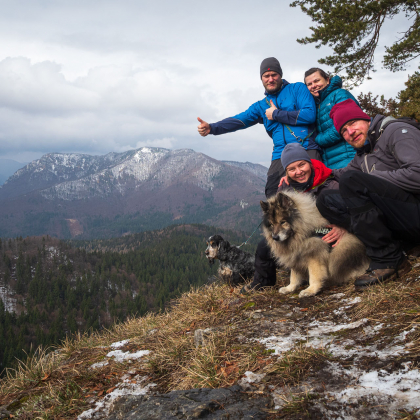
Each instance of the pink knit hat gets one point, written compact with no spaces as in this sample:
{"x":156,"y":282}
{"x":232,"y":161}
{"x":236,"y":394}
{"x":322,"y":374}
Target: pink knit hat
{"x":346,"y":111}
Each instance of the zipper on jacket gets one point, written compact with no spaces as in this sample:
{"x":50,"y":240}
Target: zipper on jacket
{"x":367,"y":167}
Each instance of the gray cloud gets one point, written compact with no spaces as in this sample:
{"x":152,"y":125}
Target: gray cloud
{"x":95,"y":77}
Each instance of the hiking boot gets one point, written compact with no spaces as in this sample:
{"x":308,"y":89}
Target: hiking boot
{"x":381,"y":274}
{"x":414,"y":251}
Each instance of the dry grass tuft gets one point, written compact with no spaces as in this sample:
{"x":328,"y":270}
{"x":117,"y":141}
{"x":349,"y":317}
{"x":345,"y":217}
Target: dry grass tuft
{"x":33,"y":371}
{"x":397,"y":304}
{"x":296,"y":364}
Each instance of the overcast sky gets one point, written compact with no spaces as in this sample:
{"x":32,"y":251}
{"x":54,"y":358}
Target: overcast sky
{"x":108,"y":76}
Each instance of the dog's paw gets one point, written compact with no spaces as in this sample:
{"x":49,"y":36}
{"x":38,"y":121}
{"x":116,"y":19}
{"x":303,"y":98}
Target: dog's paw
{"x":285,"y":290}
{"x":308,"y":292}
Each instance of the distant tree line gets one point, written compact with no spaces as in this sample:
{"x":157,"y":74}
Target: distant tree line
{"x":60,"y":289}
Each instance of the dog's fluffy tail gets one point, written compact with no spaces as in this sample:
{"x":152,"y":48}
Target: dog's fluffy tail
{"x":348,"y":259}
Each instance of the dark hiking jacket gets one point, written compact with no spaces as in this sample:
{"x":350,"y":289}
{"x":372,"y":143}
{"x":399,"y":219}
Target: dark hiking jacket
{"x":392,"y":153}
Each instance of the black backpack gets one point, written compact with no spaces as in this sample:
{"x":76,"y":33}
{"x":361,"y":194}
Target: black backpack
{"x":407,"y":120}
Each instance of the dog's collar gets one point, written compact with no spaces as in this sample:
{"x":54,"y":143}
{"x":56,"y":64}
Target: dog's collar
{"x":321,"y":231}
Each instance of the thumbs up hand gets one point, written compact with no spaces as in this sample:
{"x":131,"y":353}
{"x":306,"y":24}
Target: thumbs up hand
{"x":269,"y":111}
{"x":203,"y":128}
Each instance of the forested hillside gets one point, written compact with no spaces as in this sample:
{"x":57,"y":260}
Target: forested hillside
{"x":51,"y":288}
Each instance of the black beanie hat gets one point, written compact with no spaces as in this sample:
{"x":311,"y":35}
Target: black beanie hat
{"x":270,"y":64}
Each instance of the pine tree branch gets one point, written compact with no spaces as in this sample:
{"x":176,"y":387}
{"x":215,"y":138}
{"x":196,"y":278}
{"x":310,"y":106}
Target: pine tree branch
{"x":352,"y":29}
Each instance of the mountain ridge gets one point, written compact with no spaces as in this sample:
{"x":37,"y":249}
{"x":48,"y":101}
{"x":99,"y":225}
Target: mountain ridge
{"x":69,"y":194}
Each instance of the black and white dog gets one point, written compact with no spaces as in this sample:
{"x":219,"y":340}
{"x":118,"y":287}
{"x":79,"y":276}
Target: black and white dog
{"x":236,"y":266}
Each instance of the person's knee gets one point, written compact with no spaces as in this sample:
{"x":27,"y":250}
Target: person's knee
{"x":323,"y":202}
{"x":320,"y":200}
{"x":351,"y":181}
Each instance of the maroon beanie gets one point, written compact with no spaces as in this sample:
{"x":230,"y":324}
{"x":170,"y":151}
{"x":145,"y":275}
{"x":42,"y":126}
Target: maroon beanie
{"x":346,"y":111}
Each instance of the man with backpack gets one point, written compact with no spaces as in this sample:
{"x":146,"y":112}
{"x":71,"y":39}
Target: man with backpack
{"x":379,"y":190}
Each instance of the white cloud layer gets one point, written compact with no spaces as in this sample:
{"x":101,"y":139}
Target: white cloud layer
{"x":96,"y":77}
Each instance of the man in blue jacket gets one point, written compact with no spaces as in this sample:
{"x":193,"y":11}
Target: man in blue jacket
{"x":288,"y":113}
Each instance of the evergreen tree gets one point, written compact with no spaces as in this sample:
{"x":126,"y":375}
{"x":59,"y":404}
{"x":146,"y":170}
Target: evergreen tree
{"x":409,"y":98}
{"x":407,"y":103}
{"x":352,"y":28}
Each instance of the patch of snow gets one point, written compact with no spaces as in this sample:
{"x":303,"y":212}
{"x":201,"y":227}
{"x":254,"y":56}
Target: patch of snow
{"x":99,"y":364}
{"x":337,"y":296}
{"x":251,"y":377}
{"x":281,"y":344}
{"x":6,"y":295}
{"x":329,"y":327}
{"x":120,"y":356}
{"x":102,"y":407}
{"x":402,"y":386}
{"x":403,"y":335}
{"x":119,"y":344}
{"x":350,"y":302}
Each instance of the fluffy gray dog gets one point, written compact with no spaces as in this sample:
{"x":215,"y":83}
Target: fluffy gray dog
{"x":290,"y":220}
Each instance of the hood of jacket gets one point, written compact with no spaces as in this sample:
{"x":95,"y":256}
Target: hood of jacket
{"x":335,"y":83}
{"x":375,"y":131}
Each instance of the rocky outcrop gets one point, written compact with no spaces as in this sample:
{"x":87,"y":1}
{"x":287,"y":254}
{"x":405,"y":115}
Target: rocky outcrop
{"x":205,"y":403}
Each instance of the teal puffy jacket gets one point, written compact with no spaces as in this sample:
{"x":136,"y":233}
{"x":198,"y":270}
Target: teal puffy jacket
{"x":336,"y":152}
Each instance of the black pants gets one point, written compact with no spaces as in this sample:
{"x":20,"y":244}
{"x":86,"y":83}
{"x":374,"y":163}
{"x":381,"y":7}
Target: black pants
{"x":276,"y":172}
{"x":378,"y":212}
{"x":265,"y":266}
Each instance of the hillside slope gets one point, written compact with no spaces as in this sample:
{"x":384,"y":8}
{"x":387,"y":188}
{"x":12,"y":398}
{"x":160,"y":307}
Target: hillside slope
{"x":51,"y":288}
{"x":341,"y":354}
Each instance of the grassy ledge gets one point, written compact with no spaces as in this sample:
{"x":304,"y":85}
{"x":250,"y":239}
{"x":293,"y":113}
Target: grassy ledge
{"x":308,"y":354}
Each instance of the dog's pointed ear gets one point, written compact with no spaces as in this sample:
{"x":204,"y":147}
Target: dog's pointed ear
{"x":264,"y":205}
{"x":285,"y":201}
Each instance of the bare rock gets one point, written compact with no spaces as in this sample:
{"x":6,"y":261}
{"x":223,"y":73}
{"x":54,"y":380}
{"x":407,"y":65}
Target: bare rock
{"x":205,"y":403}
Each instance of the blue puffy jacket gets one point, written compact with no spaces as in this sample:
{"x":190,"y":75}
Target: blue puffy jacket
{"x":293,"y":121}
{"x":336,"y":152}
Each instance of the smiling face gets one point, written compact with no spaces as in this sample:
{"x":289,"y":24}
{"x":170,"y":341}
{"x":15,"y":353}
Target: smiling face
{"x":299,"y":171}
{"x":271,"y":81}
{"x":355,"y":132}
{"x":315,"y":82}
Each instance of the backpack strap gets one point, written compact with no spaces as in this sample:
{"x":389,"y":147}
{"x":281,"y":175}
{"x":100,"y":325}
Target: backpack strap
{"x":298,"y":138}
{"x":409,"y":121}
{"x":301,"y":141}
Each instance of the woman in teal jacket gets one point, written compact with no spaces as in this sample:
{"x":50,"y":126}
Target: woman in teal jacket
{"x":336,"y":153}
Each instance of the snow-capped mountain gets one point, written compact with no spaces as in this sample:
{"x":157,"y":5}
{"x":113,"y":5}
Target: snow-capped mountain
{"x":182,"y":184}
{"x":255,"y":168}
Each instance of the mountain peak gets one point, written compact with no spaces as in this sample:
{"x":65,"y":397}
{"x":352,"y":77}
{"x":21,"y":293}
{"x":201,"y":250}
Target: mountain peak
{"x":182,"y":184}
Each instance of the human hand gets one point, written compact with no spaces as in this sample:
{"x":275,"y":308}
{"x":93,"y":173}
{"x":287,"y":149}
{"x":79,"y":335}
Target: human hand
{"x":285,"y":180}
{"x":203,"y":128}
{"x":334,"y":235}
{"x":269,"y":111}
